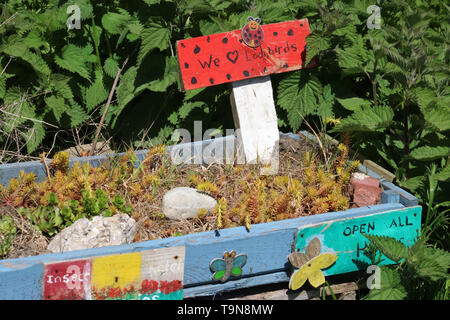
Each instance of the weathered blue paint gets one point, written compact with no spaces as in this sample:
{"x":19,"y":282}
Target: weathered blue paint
{"x":193,"y":152}
{"x":21,"y":282}
{"x":187,"y":152}
{"x":345,"y":236}
{"x":267,"y":245}
{"x":272,"y":240}
{"x":257,"y":280}
{"x":390,"y":196}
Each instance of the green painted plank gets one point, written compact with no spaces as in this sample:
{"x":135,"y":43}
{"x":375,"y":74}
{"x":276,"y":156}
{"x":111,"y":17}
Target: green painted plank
{"x":344,"y":237}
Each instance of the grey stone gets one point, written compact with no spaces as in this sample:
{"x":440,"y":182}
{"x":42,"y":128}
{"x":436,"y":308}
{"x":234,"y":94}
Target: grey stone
{"x":184,"y":203}
{"x":100,"y":232}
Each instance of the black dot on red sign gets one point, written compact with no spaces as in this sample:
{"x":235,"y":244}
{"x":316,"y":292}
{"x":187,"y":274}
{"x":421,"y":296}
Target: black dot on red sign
{"x":228,"y":76}
{"x":197,"y":49}
{"x":301,"y":24}
{"x":225,"y":40}
{"x":194,"y":80}
{"x":290,"y":32}
{"x":275,"y":33}
{"x":246,"y":73}
{"x":208,"y":39}
{"x":186,"y":65}
{"x":182,"y":45}
{"x":211,"y":80}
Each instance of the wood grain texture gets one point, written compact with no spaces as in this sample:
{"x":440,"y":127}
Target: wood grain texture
{"x":267,"y":246}
{"x":224,"y":57}
{"x":284,"y":294}
{"x":254,"y":115}
{"x":344,"y":237}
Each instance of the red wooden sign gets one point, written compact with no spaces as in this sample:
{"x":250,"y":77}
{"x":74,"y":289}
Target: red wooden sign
{"x":226,"y":57}
{"x":68,"y":280}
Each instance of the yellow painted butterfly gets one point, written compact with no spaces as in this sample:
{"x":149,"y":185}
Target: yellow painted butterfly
{"x":230,"y":265}
{"x":310,"y":265}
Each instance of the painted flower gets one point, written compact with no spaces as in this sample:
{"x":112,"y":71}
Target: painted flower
{"x":310,"y":265}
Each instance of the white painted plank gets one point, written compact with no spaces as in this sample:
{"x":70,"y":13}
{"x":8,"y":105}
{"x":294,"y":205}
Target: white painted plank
{"x":255,"y":116}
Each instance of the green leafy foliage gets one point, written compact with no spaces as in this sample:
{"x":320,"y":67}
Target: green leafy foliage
{"x":390,"y":247}
{"x":423,"y":269}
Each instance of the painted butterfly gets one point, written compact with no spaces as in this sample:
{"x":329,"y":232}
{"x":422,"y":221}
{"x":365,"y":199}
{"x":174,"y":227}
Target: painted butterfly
{"x":230,"y":265}
{"x":310,"y":265}
{"x":252,"y":33}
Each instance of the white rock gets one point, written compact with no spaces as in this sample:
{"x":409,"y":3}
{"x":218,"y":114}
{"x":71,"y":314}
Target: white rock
{"x":100,"y":232}
{"x":184,"y":203}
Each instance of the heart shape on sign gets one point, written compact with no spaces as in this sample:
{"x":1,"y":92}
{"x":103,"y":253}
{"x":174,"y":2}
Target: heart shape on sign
{"x":233,"y":56}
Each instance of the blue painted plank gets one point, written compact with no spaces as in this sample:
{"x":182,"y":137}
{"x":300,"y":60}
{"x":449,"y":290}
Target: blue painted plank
{"x":390,"y":196}
{"x":21,"y":283}
{"x":192,"y":152}
{"x":344,"y":237}
{"x":217,"y":288}
{"x":267,"y":246}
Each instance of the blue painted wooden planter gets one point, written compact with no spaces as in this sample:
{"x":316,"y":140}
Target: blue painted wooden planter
{"x":266,"y":245}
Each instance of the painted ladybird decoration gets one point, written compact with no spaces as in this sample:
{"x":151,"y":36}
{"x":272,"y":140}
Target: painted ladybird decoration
{"x":252,"y":33}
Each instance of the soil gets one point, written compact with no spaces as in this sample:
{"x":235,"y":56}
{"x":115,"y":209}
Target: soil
{"x":151,"y":224}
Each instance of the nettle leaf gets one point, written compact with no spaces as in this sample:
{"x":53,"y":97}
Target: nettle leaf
{"x":429,"y":153}
{"x":391,"y":287}
{"x":187,"y":107}
{"x":428,"y":262}
{"x":57,"y":105}
{"x":367,"y":119}
{"x":354,"y":104}
{"x":18,"y":48}
{"x":352,"y":59}
{"x":20,"y":111}
{"x":5,"y":76}
{"x":60,"y":85}
{"x":326,"y":101}
{"x":111,"y":67}
{"x":34,"y":136}
{"x":444,"y":174}
{"x":151,"y":2}
{"x":316,"y":43}
{"x":74,"y":59}
{"x":77,"y":115}
{"x":125,"y":89}
{"x":438,"y":116}
{"x":96,"y":93}
{"x":423,"y":97}
{"x":413,"y":184}
{"x":298,"y":95}
{"x":173,"y":118}
{"x":115,"y":23}
{"x":392,"y":248}
{"x":154,"y":36}
{"x":170,"y":76}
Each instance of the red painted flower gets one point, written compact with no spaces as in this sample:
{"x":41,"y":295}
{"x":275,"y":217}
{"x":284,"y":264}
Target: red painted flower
{"x":114,"y":292}
{"x":148,"y":286}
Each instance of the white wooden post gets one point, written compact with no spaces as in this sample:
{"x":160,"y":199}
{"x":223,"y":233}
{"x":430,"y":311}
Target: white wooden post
{"x":254,"y":115}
